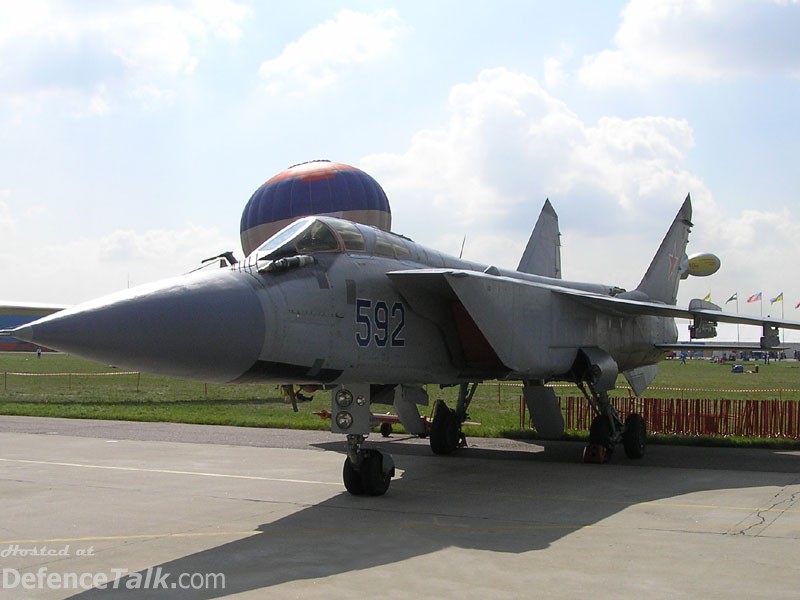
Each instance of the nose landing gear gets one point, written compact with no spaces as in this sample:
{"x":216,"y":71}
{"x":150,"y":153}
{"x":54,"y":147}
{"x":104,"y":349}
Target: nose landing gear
{"x":366,"y":472}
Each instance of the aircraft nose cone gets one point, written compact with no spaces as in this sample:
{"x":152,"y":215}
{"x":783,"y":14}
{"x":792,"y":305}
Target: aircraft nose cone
{"x":208,"y":326}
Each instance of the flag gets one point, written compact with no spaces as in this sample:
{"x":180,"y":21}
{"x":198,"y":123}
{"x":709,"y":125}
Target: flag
{"x":778,"y":298}
{"x":707,"y":297}
{"x":755,"y":298}
{"x":732,"y":298}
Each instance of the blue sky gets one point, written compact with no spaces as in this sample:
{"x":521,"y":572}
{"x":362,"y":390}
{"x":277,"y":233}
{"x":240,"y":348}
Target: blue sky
{"x":133,"y":133}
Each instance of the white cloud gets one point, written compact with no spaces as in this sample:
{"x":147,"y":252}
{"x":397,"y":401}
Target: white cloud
{"x":6,"y":220}
{"x":508,"y":144}
{"x":318,"y":57}
{"x":62,"y":50}
{"x":698,"y":40}
{"x":555,"y":74}
{"x":84,"y":268}
{"x":19,"y":19}
{"x":223,"y":18}
{"x":616,"y":185}
{"x":96,"y":105}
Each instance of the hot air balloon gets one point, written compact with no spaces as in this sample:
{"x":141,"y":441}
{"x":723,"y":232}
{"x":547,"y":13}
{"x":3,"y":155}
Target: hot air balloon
{"x":319,"y":187}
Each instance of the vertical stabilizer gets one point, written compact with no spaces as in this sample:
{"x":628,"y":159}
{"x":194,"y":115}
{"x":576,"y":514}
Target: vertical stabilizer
{"x":542,"y":255}
{"x":660,"y":283}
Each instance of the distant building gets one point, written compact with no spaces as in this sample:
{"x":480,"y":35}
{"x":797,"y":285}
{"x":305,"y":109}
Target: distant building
{"x":14,"y":314}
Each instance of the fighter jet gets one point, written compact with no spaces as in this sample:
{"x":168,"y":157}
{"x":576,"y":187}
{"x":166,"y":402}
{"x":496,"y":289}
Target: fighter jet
{"x":331,"y":304}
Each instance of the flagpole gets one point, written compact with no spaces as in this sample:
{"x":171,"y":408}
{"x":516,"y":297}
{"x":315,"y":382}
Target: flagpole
{"x":735,"y":296}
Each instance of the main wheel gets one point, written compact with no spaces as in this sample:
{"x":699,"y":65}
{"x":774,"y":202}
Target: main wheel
{"x":600,"y":431}
{"x":634,"y":436}
{"x":444,"y":429}
{"x":353,"y":481}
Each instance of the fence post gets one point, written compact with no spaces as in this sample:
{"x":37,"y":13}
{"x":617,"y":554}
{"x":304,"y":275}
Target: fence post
{"x":138,"y":377}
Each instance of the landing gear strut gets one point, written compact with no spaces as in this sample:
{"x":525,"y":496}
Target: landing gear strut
{"x":366,"y":472}
{"x":607,"y":430}
{"x":596,"y":370}
{"x":446,"y":435}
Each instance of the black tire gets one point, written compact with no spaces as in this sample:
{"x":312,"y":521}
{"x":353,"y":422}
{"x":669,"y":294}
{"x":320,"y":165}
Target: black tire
{"x":600,"y":431}
{"x":353,"y":482}
{"x":444,"y":429}
{"x":374,"y":480}
{"x":634,"y":436}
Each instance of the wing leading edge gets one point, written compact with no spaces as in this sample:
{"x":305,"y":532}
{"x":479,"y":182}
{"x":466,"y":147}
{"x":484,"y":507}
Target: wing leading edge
{"x":494,"y":308}
{"x":699,"y":312}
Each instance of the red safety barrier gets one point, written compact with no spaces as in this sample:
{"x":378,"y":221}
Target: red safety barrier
{"x":721,"y":416}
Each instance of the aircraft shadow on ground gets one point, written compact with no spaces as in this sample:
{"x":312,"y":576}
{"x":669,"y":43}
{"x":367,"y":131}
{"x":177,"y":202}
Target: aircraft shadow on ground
{"x":490,"y":500}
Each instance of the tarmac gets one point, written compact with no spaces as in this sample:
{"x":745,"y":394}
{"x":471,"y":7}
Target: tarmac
{"x":93,"y":509}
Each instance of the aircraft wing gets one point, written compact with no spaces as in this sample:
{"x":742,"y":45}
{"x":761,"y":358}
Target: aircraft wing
{"x":629,"y":307}
{"x":431,"y":280}
{"x":423,"y":288}
{"x":487,"y":327}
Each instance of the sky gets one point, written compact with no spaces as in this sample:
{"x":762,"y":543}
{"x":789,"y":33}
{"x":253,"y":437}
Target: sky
{"x":133,"y":133}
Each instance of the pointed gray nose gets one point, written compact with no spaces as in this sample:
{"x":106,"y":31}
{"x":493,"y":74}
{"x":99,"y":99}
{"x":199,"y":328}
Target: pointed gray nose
{"x":208,"y":326}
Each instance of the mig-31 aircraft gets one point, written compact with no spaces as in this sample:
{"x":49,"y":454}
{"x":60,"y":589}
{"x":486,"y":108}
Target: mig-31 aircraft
{"x":372,"y":316}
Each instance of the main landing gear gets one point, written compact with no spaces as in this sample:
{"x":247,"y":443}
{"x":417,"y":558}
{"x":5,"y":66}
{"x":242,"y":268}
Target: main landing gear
{"x":598,"y":371}
{"x":446,"y":435}
{"x":607,"y":430}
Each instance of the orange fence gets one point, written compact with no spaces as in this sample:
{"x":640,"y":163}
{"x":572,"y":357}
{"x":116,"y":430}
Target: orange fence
{"x":725,"y":417}
{"x":69,"y":377}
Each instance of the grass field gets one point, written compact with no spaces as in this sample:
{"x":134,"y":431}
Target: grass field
{"x":85,"y":394}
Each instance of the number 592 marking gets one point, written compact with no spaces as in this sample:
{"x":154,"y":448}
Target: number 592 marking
{"x":376,"y":322}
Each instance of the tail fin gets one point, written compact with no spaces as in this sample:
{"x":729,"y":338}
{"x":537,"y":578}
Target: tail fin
{"x":660,"y":283}
{"x":542,"y":255}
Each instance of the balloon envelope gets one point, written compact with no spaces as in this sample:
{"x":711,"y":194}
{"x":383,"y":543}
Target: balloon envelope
{"x":313,"y":188}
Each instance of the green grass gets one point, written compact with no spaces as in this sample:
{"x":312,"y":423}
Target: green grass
{"x":705,"y":379}
{"x":496,"y":407}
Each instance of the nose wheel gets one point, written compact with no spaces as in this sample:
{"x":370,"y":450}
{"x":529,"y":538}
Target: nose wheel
{"x":366,"y":472}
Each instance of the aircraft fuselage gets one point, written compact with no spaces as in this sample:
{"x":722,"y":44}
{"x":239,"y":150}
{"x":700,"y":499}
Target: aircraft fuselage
{"x":321,"y":312}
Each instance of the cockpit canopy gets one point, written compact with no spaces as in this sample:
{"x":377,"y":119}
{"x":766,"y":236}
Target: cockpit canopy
{"x":310,"y":235}
{"x":315,"y":234}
